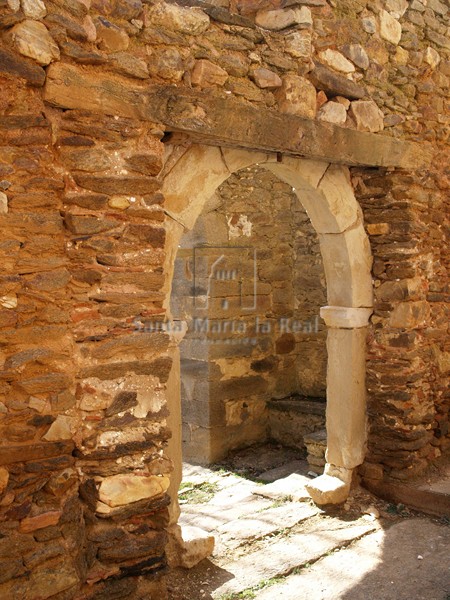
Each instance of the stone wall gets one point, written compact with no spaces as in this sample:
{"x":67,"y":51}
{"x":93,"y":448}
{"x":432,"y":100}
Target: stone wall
{"x":241,"y":351}
{"x":407,"y":368}
{"x":83,"y":415}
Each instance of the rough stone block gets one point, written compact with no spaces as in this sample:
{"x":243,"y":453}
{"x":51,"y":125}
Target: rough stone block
{"x":297,"y":96}
{"x":390,"y":28}
{"x":333,"y":112}
{"x":336,"y":61}
{"x":367,"y":115}
{"x":119,"y":490}
{"x":409,"y":315}
{"x":207,"y":74}
{"x":266,"y":79}
{"x":111,"y":37}
{"x":185,"y":20}
{"x":34,"y":9}
{"x":32,"y":39}
{"x":328,"y":490}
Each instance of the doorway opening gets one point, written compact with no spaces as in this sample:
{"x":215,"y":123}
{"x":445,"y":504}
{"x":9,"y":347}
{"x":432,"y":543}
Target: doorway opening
{"x":192,"y":177}
{"x":249,"y":282}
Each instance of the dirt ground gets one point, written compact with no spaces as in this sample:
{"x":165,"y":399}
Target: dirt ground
{"x":272,"y":543}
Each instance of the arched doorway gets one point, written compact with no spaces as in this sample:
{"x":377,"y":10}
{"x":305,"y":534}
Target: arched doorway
{"x":192,"y":176}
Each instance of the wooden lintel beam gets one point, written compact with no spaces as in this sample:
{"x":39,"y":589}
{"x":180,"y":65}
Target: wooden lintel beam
{"x":229,"y":121}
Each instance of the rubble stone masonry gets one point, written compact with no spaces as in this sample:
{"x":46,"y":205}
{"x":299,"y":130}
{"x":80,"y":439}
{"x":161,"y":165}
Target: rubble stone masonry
{"x":84,"y":472}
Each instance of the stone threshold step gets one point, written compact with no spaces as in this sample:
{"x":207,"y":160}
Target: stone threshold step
{"x":424,"y":500}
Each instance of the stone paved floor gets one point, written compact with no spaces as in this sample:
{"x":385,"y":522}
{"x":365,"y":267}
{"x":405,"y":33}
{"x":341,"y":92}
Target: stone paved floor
{"x":269,"y":547}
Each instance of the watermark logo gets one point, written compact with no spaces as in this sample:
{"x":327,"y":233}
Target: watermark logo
{"x":226,"y":274}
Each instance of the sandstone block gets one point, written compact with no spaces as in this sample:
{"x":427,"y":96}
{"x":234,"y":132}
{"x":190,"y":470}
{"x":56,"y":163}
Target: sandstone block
{"x":432,"y":57}
{"x":390,"y":28}
{"x":3,"y":203}
{"x":167,"y":64}
{"x":4,"y":478}
{"x":46,"y":519}
{"x":333,"y":112}
{"x":35,"y":9}
{"x":188,"y":546}
{"x":328,"y":490}
{"x":32,"y":39}
{"x":127,"y":64}
{"x":190,"y":21}
{"x":118,"y":490}
{"x":298,"y":44}
{"x":408,"y":315}
{"x":397,"y":7}
{"x":121,"y":9}
{"x":276,"y":20}
{"x":61,"y":429}
{"x":207,"y":74}
{"x":22,"y":67}
{"x":111,"y":37}
{"x":297,"y":96}
{"x":367,"y":115}
{"x":264,"y":78}
{"x":336,"y":61}
{"x":357,"y":54}
{"x":333,"y":83}
{"x":378,"y":228}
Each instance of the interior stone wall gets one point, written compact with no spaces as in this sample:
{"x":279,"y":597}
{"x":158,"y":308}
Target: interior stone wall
{"x":256,"y":349}
{"x":83,"y":415}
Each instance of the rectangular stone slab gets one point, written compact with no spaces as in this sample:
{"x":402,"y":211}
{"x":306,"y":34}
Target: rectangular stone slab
{"x":289,"y":553}
{"x":228,"y":121}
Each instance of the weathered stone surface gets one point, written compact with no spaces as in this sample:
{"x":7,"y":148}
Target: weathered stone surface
{"x":4,"y":478}
{"x":332,"y":112}
{"x":207,"y":74}
{"x":134,"y":547}
{"x":264,"y":78}
{"x":367,"y":115}
{"x":331,"y":82}
{"x":121,"y":9}
{"x":3,"y":203}
{"x":111,"y":37}
{"x":390,"y":28}
{"x":82,"y":56}
{"x":124,"y":489}
{"x":47,"y":519}
{"x":432,"y":57}
{"x":408,"y":315}
{"x":129,"y":65}
{"x":17,"y":65}
{"x":62,"y":429}
{"x":126,"y":184}
{"x":297,"y":96}
{"x":328,"y":490}
{"x":35,"y":451}
{"x":298,"y":44}
{"x":35,"y":9}
{"x":188,"y":546}
{"x":32,"y":39}
{"x":357,"y":54}
{"x":336,"y":60}
{"x":191,"y":21}
{"x":281,"y":19}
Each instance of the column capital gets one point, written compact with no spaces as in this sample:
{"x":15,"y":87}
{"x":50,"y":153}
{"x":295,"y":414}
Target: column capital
{"x":345,"y":317}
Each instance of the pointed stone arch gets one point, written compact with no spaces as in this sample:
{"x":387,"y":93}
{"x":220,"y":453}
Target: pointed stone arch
{"x":326,"y":193}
